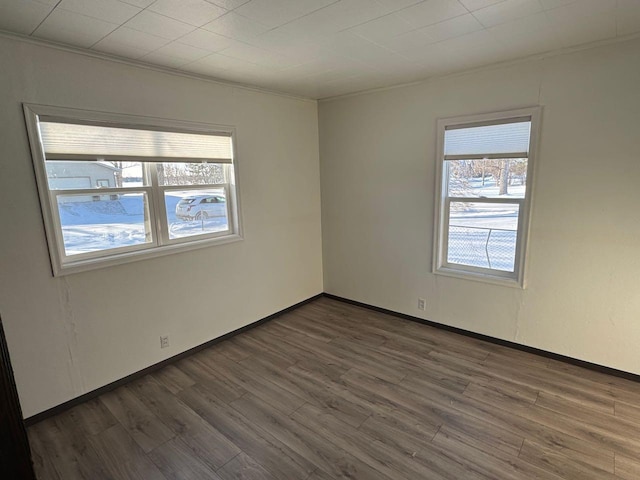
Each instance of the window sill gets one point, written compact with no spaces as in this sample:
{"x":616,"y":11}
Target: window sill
{"x":134,"y":256}
{"x":480,"y":277}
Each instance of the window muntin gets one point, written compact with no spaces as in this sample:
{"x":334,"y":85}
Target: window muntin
{"x":484,"y":195}
{"x":110,"y":185}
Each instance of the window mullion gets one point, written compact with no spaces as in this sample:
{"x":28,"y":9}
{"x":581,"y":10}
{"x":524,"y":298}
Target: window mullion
{"x":156,"y":204}
{"x":82,"y":234}
{"x":445,"y":232}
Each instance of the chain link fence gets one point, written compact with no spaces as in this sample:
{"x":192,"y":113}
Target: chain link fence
{"x":482,"y":247}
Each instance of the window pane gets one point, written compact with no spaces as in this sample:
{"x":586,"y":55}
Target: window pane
{"x":483,"y":235}
{"x":190,"y":173}
{"x":75,"y":175}
{"x":92,"y":223}
{"x":488,"y":139}
{"x":487,"y":178}
{"x":196,"y":212}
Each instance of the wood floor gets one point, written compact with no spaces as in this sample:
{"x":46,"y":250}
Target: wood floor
{"x":334,"y":391}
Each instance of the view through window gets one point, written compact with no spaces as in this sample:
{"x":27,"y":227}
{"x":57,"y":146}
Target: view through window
{"x":484,"y":198}
{"x":112,"y":190}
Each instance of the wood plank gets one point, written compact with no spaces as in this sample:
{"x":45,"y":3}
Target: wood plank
{"x":618,"y":430}
{"x":250,"y":381}
{"x":122,"y":457}
{"x":391,"y":462}
{"x":231,"y":350}
{"x":351,"y":413}
{"x":306,"y":442}
{"x":556,"y":383}
{"x":630,"y":413}
{"x":482,"y":459}
{"x":176,"y":462}
{"x":173,"y":378}
{"x":272,"y":454}
{"x":243,"y":467}
{"x":320,"y":475}
{"x":92,"y":417}
{"x":555,"y":461}
{"x":42,"y":465}
{"x":501,"y":395}
{"x":627,"y":468}
{"x":330,"y":353}
{"x":145,"y":428}
{"x":202,"y":439}
{"x":71,"y":455}
{"x":525,"y":422}
{"x":200,"y":368}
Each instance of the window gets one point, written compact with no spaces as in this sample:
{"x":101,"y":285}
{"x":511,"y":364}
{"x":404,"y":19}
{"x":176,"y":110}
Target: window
{"x":117,"y":188}
{"x":484,"y":193}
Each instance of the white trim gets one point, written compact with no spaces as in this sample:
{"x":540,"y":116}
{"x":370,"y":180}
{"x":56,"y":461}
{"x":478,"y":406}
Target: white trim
{"x":161,"y":243}
{"x":99,"y":191}
{"x":440,"y":264}
{"x":161,"y":251}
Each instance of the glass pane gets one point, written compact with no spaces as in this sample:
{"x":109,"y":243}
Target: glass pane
{"x":69,"y":138}
{"x":483,"y":235}
{"x":75,"y":175}
{"x":487,"y":178}
{"x":502,"y":138}
{"x":190,"y":173}
{"x":92,"y":223}
{"x":196,"y":212}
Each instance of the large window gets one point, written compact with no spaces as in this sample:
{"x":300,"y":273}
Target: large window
{"x":115,"y":188}
{"x":484,"y":192}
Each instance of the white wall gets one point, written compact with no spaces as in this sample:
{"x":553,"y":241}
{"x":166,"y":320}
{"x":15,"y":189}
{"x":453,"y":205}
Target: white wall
{"x":73,"y":334}
{"x":377,"y":155}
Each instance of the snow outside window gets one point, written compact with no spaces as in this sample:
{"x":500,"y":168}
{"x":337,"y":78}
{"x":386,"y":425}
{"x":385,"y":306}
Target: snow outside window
{"x":117,"y":188}
{"x":484,"y":192}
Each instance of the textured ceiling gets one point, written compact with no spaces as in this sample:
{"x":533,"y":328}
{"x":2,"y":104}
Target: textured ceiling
{"x":321,"y":48}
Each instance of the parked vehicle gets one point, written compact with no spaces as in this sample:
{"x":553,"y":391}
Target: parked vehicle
{"x":201,"y":207}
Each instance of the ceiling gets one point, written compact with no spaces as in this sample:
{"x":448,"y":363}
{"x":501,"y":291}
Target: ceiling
{"x":321,"y":48}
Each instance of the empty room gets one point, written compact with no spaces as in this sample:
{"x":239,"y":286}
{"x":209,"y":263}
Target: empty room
{"x":319,"y":239}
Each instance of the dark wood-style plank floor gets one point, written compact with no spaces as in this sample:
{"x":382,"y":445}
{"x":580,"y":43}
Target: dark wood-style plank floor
{"x":333,"y":391}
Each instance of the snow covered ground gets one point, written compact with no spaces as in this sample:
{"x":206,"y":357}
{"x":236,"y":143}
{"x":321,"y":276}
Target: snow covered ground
{"x":482,"y":235}
{"x":90,"y":226}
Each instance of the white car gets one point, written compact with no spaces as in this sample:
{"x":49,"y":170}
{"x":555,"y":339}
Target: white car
{"x":200,"y":207}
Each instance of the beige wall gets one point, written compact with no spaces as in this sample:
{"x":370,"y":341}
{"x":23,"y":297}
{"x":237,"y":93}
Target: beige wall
{"x":72,"y":334}
{"x":377,"y":154}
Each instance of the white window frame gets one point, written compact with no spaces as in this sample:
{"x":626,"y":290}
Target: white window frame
{"x":440,"y":245}
{"x":161,"y":244}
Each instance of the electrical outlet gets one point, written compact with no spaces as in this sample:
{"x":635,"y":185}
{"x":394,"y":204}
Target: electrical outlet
{"x":164,"y":341}
{"x":422,"y":304}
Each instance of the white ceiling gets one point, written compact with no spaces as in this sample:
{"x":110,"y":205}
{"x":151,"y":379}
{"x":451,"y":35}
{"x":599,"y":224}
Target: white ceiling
{"x":321,"y":48}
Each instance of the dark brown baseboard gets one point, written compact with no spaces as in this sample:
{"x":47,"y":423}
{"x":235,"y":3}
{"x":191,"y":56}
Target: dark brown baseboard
{"x":141,"y":373}
{"x":145,"y":371}
{"x":505,"y":343}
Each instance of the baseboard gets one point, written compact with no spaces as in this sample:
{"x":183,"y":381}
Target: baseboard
{"x":505,"y":343}
{"x":145,"y":371}
{"x":497,"y":341}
